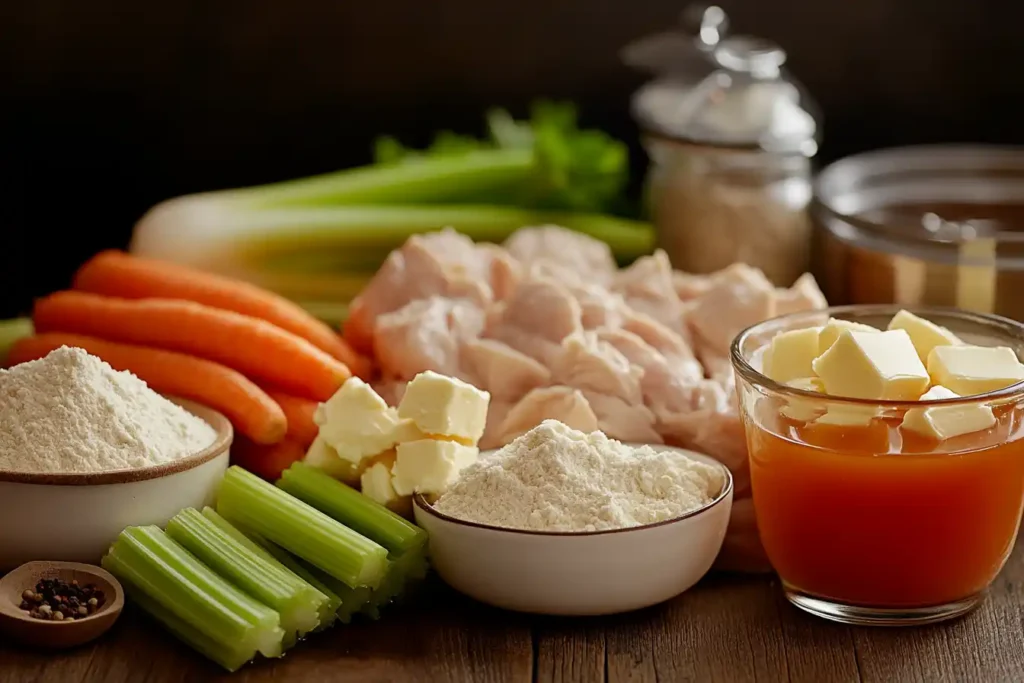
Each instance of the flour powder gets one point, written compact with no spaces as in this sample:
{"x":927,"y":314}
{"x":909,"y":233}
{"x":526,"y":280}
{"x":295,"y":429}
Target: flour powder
{"x":72,"y":413}
{"x":554,"y":478}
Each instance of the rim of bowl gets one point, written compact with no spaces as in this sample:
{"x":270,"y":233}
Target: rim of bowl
{"x":747,"y":371}
{"x":214,"y":418}
{"x":421,"y":502}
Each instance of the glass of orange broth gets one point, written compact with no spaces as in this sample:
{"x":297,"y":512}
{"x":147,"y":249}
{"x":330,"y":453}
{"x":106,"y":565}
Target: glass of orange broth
{"x":871,"y":523}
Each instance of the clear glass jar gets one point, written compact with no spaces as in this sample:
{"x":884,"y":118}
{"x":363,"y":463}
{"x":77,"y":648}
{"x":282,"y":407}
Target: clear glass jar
{"x":868,"y":523}
{"x":730,"y":137}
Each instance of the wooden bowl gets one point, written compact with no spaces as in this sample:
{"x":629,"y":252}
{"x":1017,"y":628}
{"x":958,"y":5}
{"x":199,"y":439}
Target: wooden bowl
{"x":16,"y":624}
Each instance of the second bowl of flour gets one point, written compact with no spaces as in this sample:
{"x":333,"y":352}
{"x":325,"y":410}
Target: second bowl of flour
{"x":567,"y":523}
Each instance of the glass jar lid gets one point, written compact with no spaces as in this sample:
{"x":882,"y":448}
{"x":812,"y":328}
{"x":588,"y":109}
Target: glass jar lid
{"x":721,"y":90}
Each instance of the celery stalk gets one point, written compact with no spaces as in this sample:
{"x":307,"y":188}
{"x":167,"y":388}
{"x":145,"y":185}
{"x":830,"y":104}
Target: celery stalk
{"x":282,"y":559}
{"x":352,"y":508}
{"x":304,"y":531}
{"x":224,"y":618}
{"x":296,"y":601}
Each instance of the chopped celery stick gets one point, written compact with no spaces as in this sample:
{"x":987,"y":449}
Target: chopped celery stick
{"x":296,"y":601}
{"x":275,"y":555}
{"x":352,"y":508}
{"x":302,"y":530}
{"x":231,"y":658}
{"x":229,"y":620}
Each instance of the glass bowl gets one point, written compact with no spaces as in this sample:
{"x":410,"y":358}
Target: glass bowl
{"x":868,"y":524}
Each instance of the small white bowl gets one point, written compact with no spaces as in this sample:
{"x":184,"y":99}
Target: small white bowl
{"x":589,"y":573}
{"x":75,"y":517}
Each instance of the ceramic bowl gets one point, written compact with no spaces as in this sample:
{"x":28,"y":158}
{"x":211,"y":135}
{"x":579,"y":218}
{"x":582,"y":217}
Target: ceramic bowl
{"x":591,"y":573}
{"x":75,"y":517}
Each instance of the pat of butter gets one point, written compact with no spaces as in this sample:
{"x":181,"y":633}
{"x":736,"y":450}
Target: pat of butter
{"x":802,"y":409}
{"x":835,"y":327}
{"x":848,"y":416}
{"x":406,"y":430}
{"x":791,"y":354}
{"x":323,"y":457}
{"x":376,"y":482}
{"x":356,"y":422}
{"x":971,"y":370}
{"x":445,"y":407}
{"x":946,"y":422}
{"x":430,"y":466}
{"x":925,"y":334}
{"x":873,"y":365}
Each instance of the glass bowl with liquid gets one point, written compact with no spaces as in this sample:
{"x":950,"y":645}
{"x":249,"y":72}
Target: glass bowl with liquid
{"x":867,"y":523}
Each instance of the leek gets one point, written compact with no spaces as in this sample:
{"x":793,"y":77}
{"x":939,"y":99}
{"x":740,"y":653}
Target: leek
{"x":296,"y":601}
{"x":304,"y":531}
{"x":352,"y":508}
{"x":215,"y":617}
{"x":10,"y":332}
{"x":273,"y":554}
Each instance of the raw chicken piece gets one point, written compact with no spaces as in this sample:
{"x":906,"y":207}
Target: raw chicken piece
{"x":647,"y":288}
{"x":689,"y":286}
{"x":505,"y":271}
{"x":666,"y":387}
{"x":589,"y":258}
{"x":627,"y":422}
{"x":592,"y":365}
{"x":740,"y":297}
{"x":667,"y":342}
{"x":742,"y":550}
{"x":516,"y":322}
{"x":565,"y":404}
{"x":497,"y":411}
{"x":498,"y":368}
{"x":425,"y":335}
{"x":410,"y":273}
{"x":390,"y":389}
{"x":804,"y":295}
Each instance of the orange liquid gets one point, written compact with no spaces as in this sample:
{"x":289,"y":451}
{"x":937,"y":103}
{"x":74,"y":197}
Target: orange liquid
{"x":873,"y":516}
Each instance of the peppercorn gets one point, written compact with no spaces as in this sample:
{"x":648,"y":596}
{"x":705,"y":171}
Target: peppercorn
{"x":58,"y":600}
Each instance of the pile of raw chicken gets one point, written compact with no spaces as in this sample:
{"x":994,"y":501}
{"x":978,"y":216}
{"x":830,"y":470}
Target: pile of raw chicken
{"x":552,"y":328}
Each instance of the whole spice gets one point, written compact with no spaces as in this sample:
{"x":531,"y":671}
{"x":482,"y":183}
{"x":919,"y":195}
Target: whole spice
{"x":57,"y":600}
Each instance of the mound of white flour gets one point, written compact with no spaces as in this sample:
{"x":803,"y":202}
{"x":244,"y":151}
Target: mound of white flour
{"x":72,"y":413}
{"x":554,"y":478}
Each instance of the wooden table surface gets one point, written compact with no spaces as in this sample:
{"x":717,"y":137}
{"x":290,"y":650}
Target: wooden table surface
{"x":729,"y":628}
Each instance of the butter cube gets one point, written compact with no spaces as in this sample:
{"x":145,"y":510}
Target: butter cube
{"x":873,"y":365}
{"x":848,"y":416}
{"x":430,"y":466}
{"x":406,"y":430}
{"x":834,"y":327}
{"x":791,"y":354}
{"x":376,"y":483}
{"x":323,"y":457}
{"x":971,"y":370}
{"x":925,"y":334}
{"x":445,"y":407}
{"x":946,"y":422}
{"x":802,"y":409}
{"x":356,"y":422}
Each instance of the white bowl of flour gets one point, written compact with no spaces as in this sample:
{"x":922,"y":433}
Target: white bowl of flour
{"x":86,"y":451}
{"x":561,"y":522}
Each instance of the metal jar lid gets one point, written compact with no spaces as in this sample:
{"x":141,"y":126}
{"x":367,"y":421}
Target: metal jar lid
{"x":720,"y":90}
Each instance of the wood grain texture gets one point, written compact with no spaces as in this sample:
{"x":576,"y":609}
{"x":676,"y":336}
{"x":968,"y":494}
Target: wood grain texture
{"x":730,"y":629}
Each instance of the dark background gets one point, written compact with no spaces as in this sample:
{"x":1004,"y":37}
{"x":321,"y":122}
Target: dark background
{"x":107,"y":107}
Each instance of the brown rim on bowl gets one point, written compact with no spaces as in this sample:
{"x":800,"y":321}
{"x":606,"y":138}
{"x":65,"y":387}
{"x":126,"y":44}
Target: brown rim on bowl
{"x":421,"y":502}
{"x":749,"y":373}
{"x":221,"y":425}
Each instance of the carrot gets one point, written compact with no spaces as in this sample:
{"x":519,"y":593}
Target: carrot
{"x":299,"y":411}
{"x":115,"y":273}
{"x":258,"y":349}
{"x":250,"y":409}
{"x":267,"y":462}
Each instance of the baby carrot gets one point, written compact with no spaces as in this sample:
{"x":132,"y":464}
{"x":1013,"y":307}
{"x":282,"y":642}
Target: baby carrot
{"x":299,"y":411}
{"x":115,"y":273}
{"x":267,"y":462}
{"x":258,"y":349}
{"x":250,"y":410}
